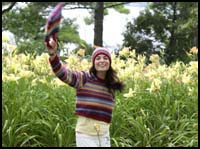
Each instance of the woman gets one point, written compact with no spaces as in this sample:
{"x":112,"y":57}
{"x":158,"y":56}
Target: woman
{"x":94,"y":95}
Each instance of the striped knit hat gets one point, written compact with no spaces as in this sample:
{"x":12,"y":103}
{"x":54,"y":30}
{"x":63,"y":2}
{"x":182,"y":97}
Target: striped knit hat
{"x":100,"y":50}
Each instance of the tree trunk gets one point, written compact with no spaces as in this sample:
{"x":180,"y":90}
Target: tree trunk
{"x":98,"y":24}
{"x":172,"y":41}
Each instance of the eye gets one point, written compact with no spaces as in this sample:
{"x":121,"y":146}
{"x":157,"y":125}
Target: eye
{"x":98,"y":58}
{"x":105,"y":58}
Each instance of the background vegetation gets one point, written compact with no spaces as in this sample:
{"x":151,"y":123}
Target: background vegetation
{"x":170,"y":27}
{"x":159,"y":106}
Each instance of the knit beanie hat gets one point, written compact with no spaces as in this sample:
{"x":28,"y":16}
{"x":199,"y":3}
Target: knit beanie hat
{"x":100,"y":50}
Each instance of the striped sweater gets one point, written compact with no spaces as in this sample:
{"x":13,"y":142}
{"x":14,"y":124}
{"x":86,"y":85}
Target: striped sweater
{"x":92,"y":97}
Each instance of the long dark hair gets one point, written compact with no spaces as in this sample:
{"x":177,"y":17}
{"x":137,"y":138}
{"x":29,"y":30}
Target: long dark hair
{"x":112,"y":81}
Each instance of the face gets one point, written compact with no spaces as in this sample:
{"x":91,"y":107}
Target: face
{"x":101,"y":63}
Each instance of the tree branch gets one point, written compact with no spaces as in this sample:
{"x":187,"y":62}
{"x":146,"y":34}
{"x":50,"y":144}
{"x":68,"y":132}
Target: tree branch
{"x":89,"y":7}
{"x":114,"y":5}
{"x":9,"y":8}
{"x":79,"y":7}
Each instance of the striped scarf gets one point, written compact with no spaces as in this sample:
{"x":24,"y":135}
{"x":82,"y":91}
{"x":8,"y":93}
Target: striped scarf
{"x":52,"y":24}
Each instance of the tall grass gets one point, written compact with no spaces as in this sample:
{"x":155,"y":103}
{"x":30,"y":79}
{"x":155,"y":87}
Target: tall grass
{"x":163,"y":119}
{"x":40,"y":115}
{"x":38,"y":110}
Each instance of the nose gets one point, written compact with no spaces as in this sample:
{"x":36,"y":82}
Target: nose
{"x":101,"y":60}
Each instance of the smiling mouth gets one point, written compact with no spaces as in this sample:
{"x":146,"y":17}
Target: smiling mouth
{"x":101,"y":65}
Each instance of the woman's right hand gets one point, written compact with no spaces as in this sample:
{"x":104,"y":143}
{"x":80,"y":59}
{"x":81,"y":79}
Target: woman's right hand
{"x":53,"y":49}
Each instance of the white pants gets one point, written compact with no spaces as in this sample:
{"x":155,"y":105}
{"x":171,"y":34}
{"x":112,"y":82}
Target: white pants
{"x":84,"y":140}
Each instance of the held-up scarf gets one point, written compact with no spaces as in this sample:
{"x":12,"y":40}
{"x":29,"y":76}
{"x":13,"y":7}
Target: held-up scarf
{"x":53,"y":23}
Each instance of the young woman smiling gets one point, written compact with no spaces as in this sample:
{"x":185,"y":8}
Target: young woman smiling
{"x":95,"y":91}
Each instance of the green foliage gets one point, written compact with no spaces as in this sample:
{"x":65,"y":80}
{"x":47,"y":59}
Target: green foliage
{"x":38,"y":109}
{"x":68,"y":32}
{"x":119,"y":8}
{"x":89,"y":20}
{"x":32,"y":47}
{"x":24,"y":23}
{"x":27,"y":24}
{"x":32,"y":119}
{"x":173,"y":24}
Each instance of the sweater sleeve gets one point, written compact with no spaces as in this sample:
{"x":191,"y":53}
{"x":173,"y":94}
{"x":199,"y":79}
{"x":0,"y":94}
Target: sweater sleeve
{"x":73,"y":78}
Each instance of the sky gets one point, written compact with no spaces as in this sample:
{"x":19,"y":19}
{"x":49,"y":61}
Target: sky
{"x":114,"y":24}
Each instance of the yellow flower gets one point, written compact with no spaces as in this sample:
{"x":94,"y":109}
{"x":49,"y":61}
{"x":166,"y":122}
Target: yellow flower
{"x":189,"y":54}
{"x":151,"y":74}
{"x":42,"y":81}
{"x":34,"y":82}
{"x":121,"y":64}
{"x":132,"y":53}
{"x":155,"y":85}
{"x":81,"y":52}
{"x":57,"y":82}
{"x":124,"y":51}
{"x":72,"y":60}
{"x":141,"y":60}
{"x":4,"y":76}
{"x":97,"y":127}
{"x":190,"y":91}
{"x":186,"y":79}
{"x":154,"y":58}
{"x":12,"y":77}
{"x":12,"y":47}
{"x":129,"y":94}
{"x":194,"y":65}
{"x":137,"y":75}
{"x":26,"y":73}
{"x":84,"y":65}
{"x":194,"y":50}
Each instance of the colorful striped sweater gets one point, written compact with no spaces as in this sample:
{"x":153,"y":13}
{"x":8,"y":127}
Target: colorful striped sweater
{"x":92,"y":97}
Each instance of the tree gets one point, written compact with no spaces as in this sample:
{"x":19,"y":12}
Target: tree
{"x":27,"y":23}
{"x":98,"y":17}
{"x":11,"y":5}
{"x":172,"y":24}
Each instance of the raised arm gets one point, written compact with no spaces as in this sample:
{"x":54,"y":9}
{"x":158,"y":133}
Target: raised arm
{"x":73,"y":78}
